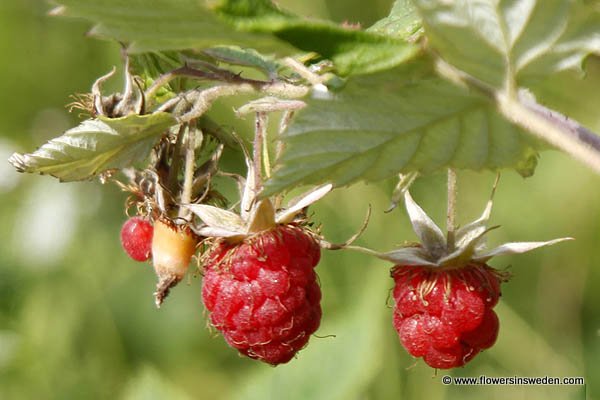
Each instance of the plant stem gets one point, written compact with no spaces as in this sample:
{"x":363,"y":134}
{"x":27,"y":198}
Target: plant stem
{"x":265,"y":148}
{"x":259,"y":137}
{"x":451,"y":210}
{"x":203,"y":99}
{"x":188,"y":172}
{"x":173,"y":179}
{"x":541,"y":122}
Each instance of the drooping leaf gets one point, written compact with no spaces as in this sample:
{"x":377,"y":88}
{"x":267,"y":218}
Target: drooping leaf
{"x":386,"y":124}
{"x":497,"y":41}
{"x":96,"y":145}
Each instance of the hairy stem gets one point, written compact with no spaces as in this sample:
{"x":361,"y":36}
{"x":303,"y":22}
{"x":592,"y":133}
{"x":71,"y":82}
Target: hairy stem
{"x":265,"y":147}
{"x":201,"y":100}
{"x":188,"y":172}
{"x":173,"y":179}
{"x":451,"y":210}
{"x":559,"y":131}
{"x":257,"y":148}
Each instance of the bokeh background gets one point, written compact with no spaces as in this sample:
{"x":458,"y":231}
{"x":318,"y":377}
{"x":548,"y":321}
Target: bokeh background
{"x":77,"y":319}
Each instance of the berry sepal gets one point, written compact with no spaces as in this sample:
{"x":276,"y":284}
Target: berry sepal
{"x":469,"y":246}
{"x":217,"y":222}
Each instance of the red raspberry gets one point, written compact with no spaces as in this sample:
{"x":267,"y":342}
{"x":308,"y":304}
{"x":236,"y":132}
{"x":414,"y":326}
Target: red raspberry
{"x":136,"y":238}
{"x":263,"y":294}
{"x":445,"y":315}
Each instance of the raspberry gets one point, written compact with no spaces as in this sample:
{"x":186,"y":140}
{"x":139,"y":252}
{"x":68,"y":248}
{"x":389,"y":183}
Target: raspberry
{"x":136,"y":238}
{"x":263,"y":294}
{"x":445,"y":315}
{"x":172,"y":249}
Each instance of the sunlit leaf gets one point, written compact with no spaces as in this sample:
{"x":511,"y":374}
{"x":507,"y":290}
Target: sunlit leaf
{"x":513,"y":40}
{"x":156,"y":25}
{"x":153,"y":25}
{"x":386,"y":124}
{"x":403,"y":22}
{"x":96,"y":145}
{"x":352,"y":50}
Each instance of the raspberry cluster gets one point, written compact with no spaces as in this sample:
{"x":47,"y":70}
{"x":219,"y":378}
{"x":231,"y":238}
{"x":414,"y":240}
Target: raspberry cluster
{"x":446,"y":315}
{"x":263,"y":294}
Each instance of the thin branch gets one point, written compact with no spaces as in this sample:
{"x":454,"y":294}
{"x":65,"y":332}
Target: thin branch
{"x":202,"y":99}
{"x":215,"y":74}
{"x":548,"y":125}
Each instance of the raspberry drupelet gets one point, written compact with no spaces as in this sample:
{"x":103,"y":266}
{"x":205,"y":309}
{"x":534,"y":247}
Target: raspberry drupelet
{"x":446,"y":316}
{"x":263,"y":293}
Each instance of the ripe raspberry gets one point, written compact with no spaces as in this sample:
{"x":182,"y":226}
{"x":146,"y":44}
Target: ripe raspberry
{"x":136,"y":238}
{"x":445,"y":315}
{"x":263,"y":294}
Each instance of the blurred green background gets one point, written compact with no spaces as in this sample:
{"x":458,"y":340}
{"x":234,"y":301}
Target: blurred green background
{"x":77,"y":318}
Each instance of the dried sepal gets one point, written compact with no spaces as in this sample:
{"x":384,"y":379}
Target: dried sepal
{"x":465,"y":252}
{"x":299,"y":203}
{"x":431,"y":236}
{"x":408,"y":256}
{"x":218,"y":218}
{"x":516,"y":248}
{"x":262,"y":217}
{"x":470,"y":245}
{"x":478,"y":227}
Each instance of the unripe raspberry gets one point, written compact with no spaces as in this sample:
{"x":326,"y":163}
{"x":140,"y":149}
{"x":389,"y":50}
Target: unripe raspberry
{"x":263,"y":294}
{"x":445,"y":315}
{"x":172,"y":249}
{"x":136,"y":238}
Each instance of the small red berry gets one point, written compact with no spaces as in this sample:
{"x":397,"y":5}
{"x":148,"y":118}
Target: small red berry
{"x":136,"y":238}
{"x":445,"y":315}
{"x":263,"y":294}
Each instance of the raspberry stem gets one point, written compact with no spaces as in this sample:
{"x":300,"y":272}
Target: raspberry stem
{"x":451,"y":211}
{"x":173,"y":179}
{"x":260,"y":131}
{"x":188,"y":177}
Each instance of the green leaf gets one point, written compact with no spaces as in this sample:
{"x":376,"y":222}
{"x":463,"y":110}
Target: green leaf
{"x":246,"y":57}
{"x":336,"y":368}
{"x":155,"y":25}
{"x":403,"y":22}
{"x":158,"y":25}
{"x":511,"y":41}
{"x":96,"y":145}
{"x":353,"y":51}
{"x":389,"y":123}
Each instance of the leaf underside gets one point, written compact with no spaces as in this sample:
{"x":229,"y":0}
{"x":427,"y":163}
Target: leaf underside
{"x":159,"y":25}
{"x":375,"y":130}
{"x":96,"y":145}
{"x":520,"y":41}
